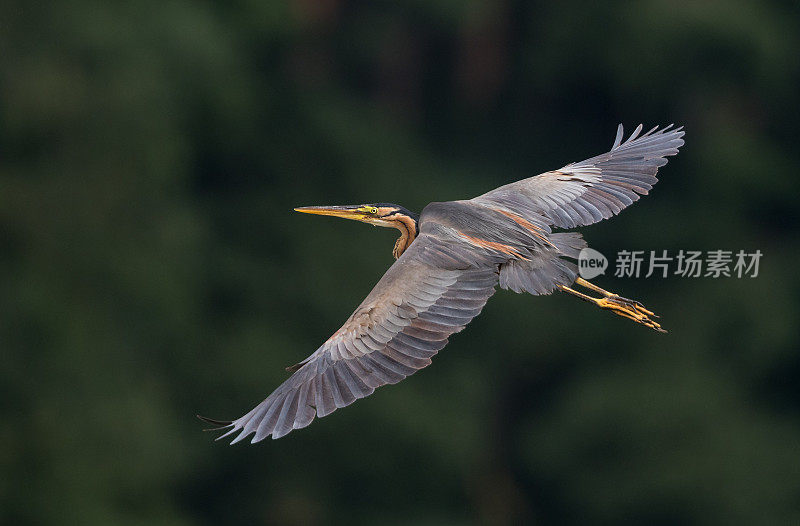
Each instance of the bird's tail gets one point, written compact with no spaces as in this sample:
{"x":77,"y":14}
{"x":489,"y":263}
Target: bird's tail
{"x":568,"y":244}
{"x":547,"y":269}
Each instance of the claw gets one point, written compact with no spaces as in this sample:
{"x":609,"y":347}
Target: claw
{"x":627,"y":308}
{"x":635,"y":304}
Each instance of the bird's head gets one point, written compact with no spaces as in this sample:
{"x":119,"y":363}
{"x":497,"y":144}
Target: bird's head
{"x":377,"y":214}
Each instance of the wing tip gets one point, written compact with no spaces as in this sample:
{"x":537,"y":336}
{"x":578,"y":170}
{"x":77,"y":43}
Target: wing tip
{"x":221,"y":425}
{"x":667,"y":134}
{"x":215,"y":422}
{"x":618,"y":138}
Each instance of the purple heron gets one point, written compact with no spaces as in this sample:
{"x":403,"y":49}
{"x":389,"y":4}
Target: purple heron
{"x":448,"y":262}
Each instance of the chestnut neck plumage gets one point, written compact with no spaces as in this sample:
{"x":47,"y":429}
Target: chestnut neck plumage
{"x":408,"y":228}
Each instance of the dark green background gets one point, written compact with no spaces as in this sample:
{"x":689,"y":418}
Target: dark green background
{"x":151,"y":267}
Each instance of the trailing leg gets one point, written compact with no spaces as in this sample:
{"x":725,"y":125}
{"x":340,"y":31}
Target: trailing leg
{"x":627,"y":308}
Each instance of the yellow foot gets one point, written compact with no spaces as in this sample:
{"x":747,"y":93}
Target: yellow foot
{"x":631,"y":309}
{"x":627,"y":308}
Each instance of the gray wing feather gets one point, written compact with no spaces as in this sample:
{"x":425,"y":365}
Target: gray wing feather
{"x":595,"y":189}
{"x":400,"y":326}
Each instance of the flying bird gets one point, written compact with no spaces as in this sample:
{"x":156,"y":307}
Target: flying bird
{"x":449,"y":260}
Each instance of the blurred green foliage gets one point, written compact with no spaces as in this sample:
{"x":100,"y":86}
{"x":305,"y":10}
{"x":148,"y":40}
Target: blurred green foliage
{"x":150,"y":267}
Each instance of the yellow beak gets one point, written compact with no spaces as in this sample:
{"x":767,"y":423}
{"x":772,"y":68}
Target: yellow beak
{"x":345,"y":212}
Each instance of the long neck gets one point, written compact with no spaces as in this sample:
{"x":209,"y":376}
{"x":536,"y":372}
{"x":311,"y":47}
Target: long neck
{"x":408,"y":232}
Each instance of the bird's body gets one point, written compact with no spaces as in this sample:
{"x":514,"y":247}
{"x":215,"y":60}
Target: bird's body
{"x":449,"y":262}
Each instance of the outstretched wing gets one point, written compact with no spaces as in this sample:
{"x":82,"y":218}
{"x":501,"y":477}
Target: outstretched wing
{"x":595,"y":189}
{"x":402,"y":323}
